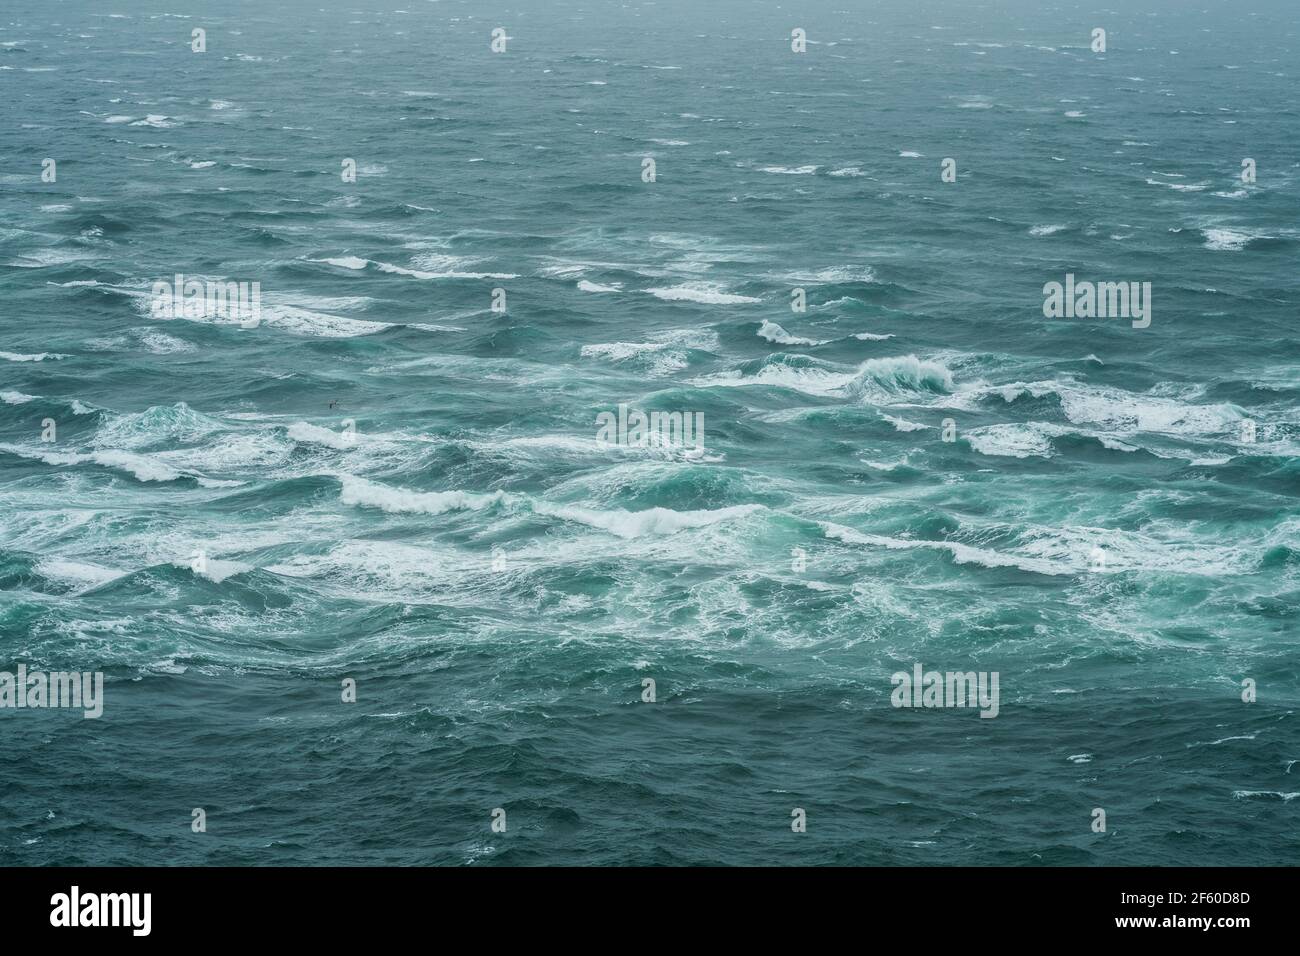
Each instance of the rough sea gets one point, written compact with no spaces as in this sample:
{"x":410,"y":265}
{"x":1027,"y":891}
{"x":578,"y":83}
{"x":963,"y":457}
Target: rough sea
{"x":367,"y":581}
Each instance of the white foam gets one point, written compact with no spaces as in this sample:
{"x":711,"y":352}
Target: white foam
{"x":77,"y":573}
{"x":961,"y":553}
{"x":661,"y":357}
{"x":1260,"y":794}
{"x":653,"y":521}
{"x":30,"y":357}
{"x":366,"y":493}
{"x":142,"y":467}
{"x":886,"y":377}
{"x":345,"y":262}
{"x":276,"y":311}
{"x":1014,"y":440}
{"x":214,"y":570}
{"x":834,"y":274}
{"x":1119,"y":412}
{"x":308,"y":433}
{"x":620,"y":351}
{"x":774,"y":333}
{"x":1227,"y":240}
{"x":902,"y":424}
{"x":1182,"y":187}
{"x":446,"y":267}
{"x":160,"y":343}
{"x":820,"y":379}
{"x":623,"y":524}
{"x":699,"y":292}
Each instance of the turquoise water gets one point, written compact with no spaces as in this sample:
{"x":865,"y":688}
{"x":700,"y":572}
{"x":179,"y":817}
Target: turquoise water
{"x":1101,"y":530}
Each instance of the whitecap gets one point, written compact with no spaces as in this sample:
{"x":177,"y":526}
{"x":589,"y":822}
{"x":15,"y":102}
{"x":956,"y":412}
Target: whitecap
{"x":30,"y":356}
{"x":774,"y":333}
{"x":701,"y":293}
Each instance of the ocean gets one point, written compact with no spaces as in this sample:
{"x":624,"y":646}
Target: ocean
{"x":348,"y":353}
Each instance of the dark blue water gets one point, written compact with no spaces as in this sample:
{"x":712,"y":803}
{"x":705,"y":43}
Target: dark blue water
{"x":377,"y":476}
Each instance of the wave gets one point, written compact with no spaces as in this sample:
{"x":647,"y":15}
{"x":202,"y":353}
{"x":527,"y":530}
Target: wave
{"x":427,"y":327}
{"x":701,"y":293}
{"x":344,"y":262}
{"x":293,"y":319}
{"x":140,"y":466}
{"x":30,"y":356}
{"x":75,"y":574}
{"x":623,"y":524}
{"x":451,"y":267}
{"x":1182,"y":187}
{"x":656,"y":357}
{"x":1014,"y":440}
{"x":1076,"y":550}
{"x":1228,"y":240}
{"x":277,"y":310}
{"x":435,"y":267}
{"x":774,"y":333}
{"x":802,"y":373}
{"x":307,"y":433}
{"x":1264,"y":795}
{"x":665,"y":353}
{"x":652,"y":521}
{"x":961,"y":553}
{"x":215,"y":570}
{"x":832,"y":275}
{"x":1117,"y":411}
{"x":902,"y":424}
{"x":904,"y":373}
{"x":882,"y":380}
{"x":76,"y":406}
{"x":372,"y":494}
{"x":158,"y":423}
